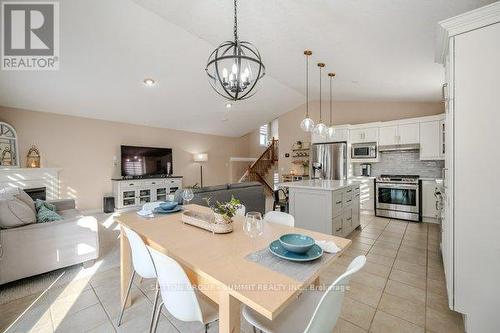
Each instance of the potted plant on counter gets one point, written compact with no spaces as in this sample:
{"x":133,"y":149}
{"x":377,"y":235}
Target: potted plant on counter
{"x":224,"y":211}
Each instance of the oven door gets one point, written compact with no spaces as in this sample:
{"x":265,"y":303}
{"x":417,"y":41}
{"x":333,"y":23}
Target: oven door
{"x":400,"y":197}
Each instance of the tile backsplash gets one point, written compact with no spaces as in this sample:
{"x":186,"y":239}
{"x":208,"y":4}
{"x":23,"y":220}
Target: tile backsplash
{"x":403,"y":163}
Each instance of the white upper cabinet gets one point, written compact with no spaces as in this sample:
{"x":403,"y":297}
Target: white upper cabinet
{"x":341,"y":133}
{"x":399,"y":134}
{"x":408,"y":134}
{"x":360,"y":135}
{"x":430,"y":140}
{"x":388,"y":135}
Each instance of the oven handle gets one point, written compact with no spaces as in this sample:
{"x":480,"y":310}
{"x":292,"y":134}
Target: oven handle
{"x":404,"y":186}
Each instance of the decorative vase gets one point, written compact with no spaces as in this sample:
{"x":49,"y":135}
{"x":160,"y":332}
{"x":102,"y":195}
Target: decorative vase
{"x":222,"y":219}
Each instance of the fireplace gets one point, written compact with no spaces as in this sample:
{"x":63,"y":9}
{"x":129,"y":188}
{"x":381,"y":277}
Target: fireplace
{"x":36,"y":193}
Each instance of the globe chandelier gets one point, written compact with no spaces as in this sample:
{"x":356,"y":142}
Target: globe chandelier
{"x":320,"y":129}
{"x":235,"y":67}
{"x":331,"y":129}
{"x":307,"y":124}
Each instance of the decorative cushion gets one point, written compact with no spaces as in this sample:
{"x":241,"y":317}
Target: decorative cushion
{"x":47,"y":215}
{"x":24,"y":197}
{"x":40,"y":203}
{"x":15,"y":213}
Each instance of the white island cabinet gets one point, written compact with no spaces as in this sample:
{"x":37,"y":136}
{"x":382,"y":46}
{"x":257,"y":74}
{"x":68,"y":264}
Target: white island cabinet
{"x":327,"y":206}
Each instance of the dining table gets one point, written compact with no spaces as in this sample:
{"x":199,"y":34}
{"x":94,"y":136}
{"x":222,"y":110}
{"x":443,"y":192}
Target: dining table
{"x":218,"y":264}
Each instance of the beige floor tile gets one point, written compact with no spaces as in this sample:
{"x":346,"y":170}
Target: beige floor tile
{"x":366,"y":234}
{"x":415,"y":243}
{"x":344,"y":326}
{"x":360,"y":246}
{"x":434,"y":262}
{"x":410,"y":268}
{"x":393,"y":233}
{"x":390,"y":239}
{"x":72,"y":303}
{"x":437,"y":302}
{"x":357,"y":313}
{"x":364,"y":240}
{"x":412,"y":258}
{"x":377,"y":269}
{"x":383,"y":251}
{"x":436,"y":287}
{"x":409,"y":250}
{"x":386,"y":323}
{"x":373,"y":226}
{"x":436,"y":273}
{"x":105,"y":327}
{"x":344,"y":260}
{"x":381,"y":260}
{"x":74,"y":287}
{"x":440,"y":322}
{"x":364,"y":294}
{"x":353,"y":252}
{"x":110,"y":298}
{"x":407,"y":278}
{"x":386,"y":245}
{"x":81,"y":321}
{"x":369,"y":279}
{"x":415,"y":237}
{"x":405,"y":291}
{"x":413,"y":312}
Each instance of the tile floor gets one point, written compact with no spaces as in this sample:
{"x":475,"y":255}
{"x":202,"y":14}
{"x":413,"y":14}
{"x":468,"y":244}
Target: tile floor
{"x":401,"y":289}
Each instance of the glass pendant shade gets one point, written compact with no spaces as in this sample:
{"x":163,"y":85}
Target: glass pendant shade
{"x":320,"y":129}
{"x":307,"y":125}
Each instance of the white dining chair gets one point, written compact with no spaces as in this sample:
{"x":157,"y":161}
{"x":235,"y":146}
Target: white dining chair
{"x":178,"y":295}
{"x":142,"y":265}
{"x":280,"y":218}
{"x":313,"y":312}
{"x":241,"y":210}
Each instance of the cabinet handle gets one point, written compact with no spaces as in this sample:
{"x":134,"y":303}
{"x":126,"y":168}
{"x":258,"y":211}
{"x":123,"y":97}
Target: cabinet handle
{"x":349,"y":200}
{"x":338,"y":229}
{"x":338,"y":202}
{"x":443,"y":92}
{"x":349,"y":218}
{"x":349,"y":191}
{"x":437,"y":208}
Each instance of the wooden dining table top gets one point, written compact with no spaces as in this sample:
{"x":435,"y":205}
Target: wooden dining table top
{"x":219,"y":259}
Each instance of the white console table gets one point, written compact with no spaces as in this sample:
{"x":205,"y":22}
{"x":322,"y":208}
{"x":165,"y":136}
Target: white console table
{"x":136,"y":192}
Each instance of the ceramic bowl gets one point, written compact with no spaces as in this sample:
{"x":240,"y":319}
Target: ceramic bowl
{"x":296,"y":242}
{"x":168,"y":205}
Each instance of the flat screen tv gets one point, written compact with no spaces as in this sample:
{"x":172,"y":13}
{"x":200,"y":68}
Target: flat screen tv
{"x":146,"y":161}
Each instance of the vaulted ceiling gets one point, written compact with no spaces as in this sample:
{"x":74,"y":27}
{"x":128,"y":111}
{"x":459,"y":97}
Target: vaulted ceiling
{"x":381,"y":50}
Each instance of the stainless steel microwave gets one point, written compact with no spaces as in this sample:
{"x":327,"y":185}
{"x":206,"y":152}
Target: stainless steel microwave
{"x":364,"y":150}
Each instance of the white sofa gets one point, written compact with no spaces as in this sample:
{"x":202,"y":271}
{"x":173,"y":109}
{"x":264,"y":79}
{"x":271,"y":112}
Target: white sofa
{"x":42,"y":247}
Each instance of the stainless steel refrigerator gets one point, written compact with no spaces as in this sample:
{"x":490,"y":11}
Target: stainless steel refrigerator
{"x":328,"y":161}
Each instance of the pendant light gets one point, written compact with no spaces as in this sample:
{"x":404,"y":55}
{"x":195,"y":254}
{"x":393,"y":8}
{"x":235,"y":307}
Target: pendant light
{"x":235,"y":67}
{"x":307,"y":124}
{"x":320,"y":129}
{"x":331,"y":129}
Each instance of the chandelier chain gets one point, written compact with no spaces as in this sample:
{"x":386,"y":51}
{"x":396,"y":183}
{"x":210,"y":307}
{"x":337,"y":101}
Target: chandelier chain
{"x":307,"y":86}
{"x":330,"y":100}
{"x":320,"y":67}
{"x":235,"y":21}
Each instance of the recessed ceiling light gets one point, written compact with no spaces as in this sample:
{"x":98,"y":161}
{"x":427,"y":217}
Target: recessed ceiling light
{"x":229,"y":105}
{"x":149,"y":82}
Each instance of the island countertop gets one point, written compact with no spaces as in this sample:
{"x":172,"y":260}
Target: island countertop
{"x":320,"y":184}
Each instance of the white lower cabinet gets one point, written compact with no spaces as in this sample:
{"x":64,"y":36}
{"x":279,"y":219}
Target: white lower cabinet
{"x":137,"y":192}
{"x":334,"y":212}
{"x":430,"y":209}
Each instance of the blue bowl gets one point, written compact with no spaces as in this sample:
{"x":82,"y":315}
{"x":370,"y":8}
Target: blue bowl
{"x":297,"y":243}
{"x":169,"y":205}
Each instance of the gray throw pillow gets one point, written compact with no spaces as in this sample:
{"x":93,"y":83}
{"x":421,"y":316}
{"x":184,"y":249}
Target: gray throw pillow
{"x":24,"y":197}
{"x":15,"y":213}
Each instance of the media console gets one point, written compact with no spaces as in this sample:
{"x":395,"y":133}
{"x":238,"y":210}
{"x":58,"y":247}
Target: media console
{"x":130,"y":193}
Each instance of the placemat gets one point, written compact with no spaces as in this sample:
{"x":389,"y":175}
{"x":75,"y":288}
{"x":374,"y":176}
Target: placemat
{"x":300,"y":271}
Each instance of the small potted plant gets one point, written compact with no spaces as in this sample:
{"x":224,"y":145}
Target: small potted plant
{"x":224,"y":211}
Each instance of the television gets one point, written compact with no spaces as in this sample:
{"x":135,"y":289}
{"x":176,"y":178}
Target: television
{"x":146,"y":161}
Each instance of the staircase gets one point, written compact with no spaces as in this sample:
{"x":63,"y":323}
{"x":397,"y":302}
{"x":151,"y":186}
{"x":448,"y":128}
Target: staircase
{"x":259,"y":169}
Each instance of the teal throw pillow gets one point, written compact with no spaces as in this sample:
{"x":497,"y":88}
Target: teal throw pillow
{"x":45,"y":214}
{"x":40,"y":203}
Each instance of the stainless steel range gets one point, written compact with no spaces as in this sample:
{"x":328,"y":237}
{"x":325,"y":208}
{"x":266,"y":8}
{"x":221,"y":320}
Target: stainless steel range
{"x":398,"y":196}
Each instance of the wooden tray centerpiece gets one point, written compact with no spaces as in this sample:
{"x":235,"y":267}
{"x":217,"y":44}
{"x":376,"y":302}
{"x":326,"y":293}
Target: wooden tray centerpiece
{"x":218,"y":221}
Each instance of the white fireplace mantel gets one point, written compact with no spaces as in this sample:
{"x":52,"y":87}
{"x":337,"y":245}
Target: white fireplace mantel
{"x":32,"y":177}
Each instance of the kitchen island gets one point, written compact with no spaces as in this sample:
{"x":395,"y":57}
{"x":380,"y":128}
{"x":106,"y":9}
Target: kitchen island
{"x":327,"y":206}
